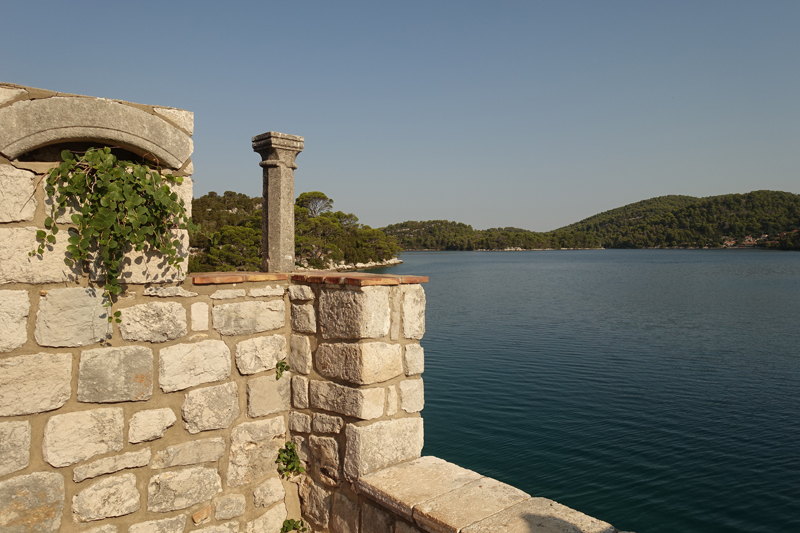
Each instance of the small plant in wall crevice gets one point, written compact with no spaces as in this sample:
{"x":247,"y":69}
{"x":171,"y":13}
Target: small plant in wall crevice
{"x":288,"y":461}
{"x":281,"y":367}
{"x":293,"y":525}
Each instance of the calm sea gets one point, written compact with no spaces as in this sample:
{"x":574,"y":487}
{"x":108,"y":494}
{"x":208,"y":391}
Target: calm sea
{"x":656,"y":390}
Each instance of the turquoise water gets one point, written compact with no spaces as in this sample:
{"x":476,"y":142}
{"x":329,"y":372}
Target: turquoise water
{"x":656,"y":390}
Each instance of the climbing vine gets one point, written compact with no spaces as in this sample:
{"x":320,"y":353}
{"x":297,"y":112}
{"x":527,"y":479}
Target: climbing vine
{"x":116,"y":205}
{"x":293,"y":525}
{"x":288,"y":461}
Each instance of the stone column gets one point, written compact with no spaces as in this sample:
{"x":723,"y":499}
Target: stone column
{"x":278,"y":152}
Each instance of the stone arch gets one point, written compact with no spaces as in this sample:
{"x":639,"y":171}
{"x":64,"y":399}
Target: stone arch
{"x":31,"y":124}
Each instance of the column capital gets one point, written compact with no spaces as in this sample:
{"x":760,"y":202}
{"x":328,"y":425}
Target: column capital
{"x":278,"y":149}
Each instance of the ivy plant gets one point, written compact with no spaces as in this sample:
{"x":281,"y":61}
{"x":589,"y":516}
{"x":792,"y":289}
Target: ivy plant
{"x":288,"y":461}
{"x":281,"y":367}
{"x":293,"y":525}
{"x":117,"y":205}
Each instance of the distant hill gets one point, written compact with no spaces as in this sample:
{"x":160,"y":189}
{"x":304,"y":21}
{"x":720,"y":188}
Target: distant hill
{"x":665,"y":221}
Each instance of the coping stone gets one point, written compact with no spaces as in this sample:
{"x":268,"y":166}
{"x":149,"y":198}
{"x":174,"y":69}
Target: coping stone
{"x":540,"y":515}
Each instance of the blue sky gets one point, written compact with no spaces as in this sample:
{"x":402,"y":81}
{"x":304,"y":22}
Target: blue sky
{"x":527,"y":114}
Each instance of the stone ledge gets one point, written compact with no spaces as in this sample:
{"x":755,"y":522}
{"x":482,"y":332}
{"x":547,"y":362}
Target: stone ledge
{"x":220,"y":278}
{"x":358,"y":279}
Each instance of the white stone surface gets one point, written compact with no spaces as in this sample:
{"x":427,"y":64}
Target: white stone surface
{"x":299,"y":422}
{"x":268,"y":522}
{"x":415,"y":359}
{"x":199,"y":316}
{"x":179,"y":489}
{"x":254,"y":447}
{"x":176,"y":524}
{"x":180,"y":117}
{"x":412,"y":395}
{"x":354,"y":314}
{"x":14,"y":309}
{"x":266,"y":292}
{"x":323,"y":423}
{"x":32,"y":503}
{"x":413,"y":311}
{"x":169,"y":292}
{"x":17,"y":267}
{"x":153,"y":322}
{"x":304,"y":319}
{"x":118,"y":374}
{"x":361,"y":364}
{"x":266,"y":395}
{"x":114,"y":496}
{"x":7,"y":94}
{"x":16,"y":194}
{"x":227,"y":527}
{"x":108,"y":528}
{"x":185,"y":365}
{"x":34,"y":383}
{"x":227,"y":294}
{"x":365,"y":404}
{"x":190,"y":453}
{"x":210,"y":408}
{"x":300,"y":354}
{"x":150,"y":424}
{"x":269,"y":492}
{"x":229,"y":506}
{"x":15,"y":446}
{"x":109,"y":465}
{"x":149,"y":265}
{"x":300,"y":392}
{"x":301,"y":292}
{"x":246,"y":318}
{"x":260,"y":353}
{"x":392,"y":401}
{"x":72,"y":317}
{"x":74,"y":437}
{"x":381,"y":444}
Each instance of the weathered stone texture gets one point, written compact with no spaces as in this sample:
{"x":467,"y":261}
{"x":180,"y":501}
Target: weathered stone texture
{"x":74,"y":437}
{"x":360,"y":403}
{"x":266,"y":395}
{"x":179,"y":489}
{"x":269,"y":522}
{"x":326,"y":452}
{"x":34,"y":383}
{"x":266,"y":292}
{"x":370,"y":448}
{"x":323,"y":423}
{"x":182,"y":118}
{"x":345,"y":514}
{"x":227,"y":527}
{"x":354,"y":314}
{"x":108,"y":528}
{"x":301,"y":443}
{"x":109,"y":465}
{"x":254,"y":447}
{"x":269,"y":492}
{"x":415,"y":359}
{"x":199,"y":316}
{"x":315,"y":502}
{"x":392,"y":401}
{"x":120,"y":374}
{"x":300,"y":354}
{"x":150,"y":424}
{"x":14,"y":309}
{"x":299,"y":422}
{"x":412,"y":395}
{"x":114,"y":496}
{"x":300,"y":392}
{"x":16,"y":194}
{"x":153,"y":322}
{"x":17,"y":267}
{"x":71,"y":317}
{"x":7,"y":94}
{"x":260,"y":354}
{"x":15,"y":446}
{"x":227,"y":294}
{"x":148,"y":265}
{"x":301,"y":292}
{"x":211,"y":407}
{"x":304,"y":319}
{"x":186,"y":365}
{"x":229,"y":506}
{"x":176,"y":524}
{"x":32,"y":504}
{"x":246,"y":318}
{"x":169,"y":292}
{"x":413,"y":311}
{"x":403,"y":527}
{"x":375,"y":520}
{"x":361,"y":364}
{"x":190,"y":453}
{"x":202,"y":516}
{"x":548,"y":516}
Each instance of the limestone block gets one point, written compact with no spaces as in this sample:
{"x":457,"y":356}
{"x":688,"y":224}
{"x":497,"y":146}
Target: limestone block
{"x":179,"y":489}
{"x":72,"y":317}
{"x":301,"y":292}
{"x":114,"y":496}
{"x":266,"y":395}
{"x":415,"y":359}
{"x":108,"y":528}
{"x":269,"y":492}
{"x":199,"y":316}
{"x":16,"y":194}
{"x":300,"y":354}
{"x":202,"y":516}
{"x":148,"y":265}
{"x":299,"y":422}
{"x":190,"y":453}
{"x":32,"y":503}
{"x":345,"y":514}
{"x":227,"y":294}
{"x":186,"y":365}
{"x":150,"y":424}
{"x":74,"y":437}
{"x":17,"y":267}
{"x":210,"y":408}
{"x":326,"y":452}
{"x":361,"y":364}
{"x":375,"y":520}
{"x":457,"y":509}
{"x":304,"y":320}
{"x":260,"y":354}
{"x":412,"y":395}
{"x":15,"y":446}
{"x":227,"y":527}
{"x":176,"y":524}
{"x":182,"y":118}
{"x":153,"y":322}
{"x":246,"y":318}
{"x":323,"y":423}
{"x":365,"y":404}
{"x":550,"y":516}
{"x":229,"y":506}
{"x":354,"y":314}
{"x":392,"y":401}
{"x":169,"y":292}
{"x":109,"y":465}
{"x":404,"y":527}
{"x":315,"y":502}
{"x":370,"y":448}
{"x":7,"y":94}
{"x":302,"y":448}
{"x":34,"y":383}
{"x":266,"y":292}
{"x":63,"y":215}
{"x":413,"y":311}
{"x":398,"y":488}
{"x":268,"y":522}
{"x":14,"y":309}
{"x":120,"y":374}
{"x":300,"y":392}
{"x":254,"y":447}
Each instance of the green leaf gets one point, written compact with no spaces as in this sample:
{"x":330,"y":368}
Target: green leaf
{"x":40,"y":235}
